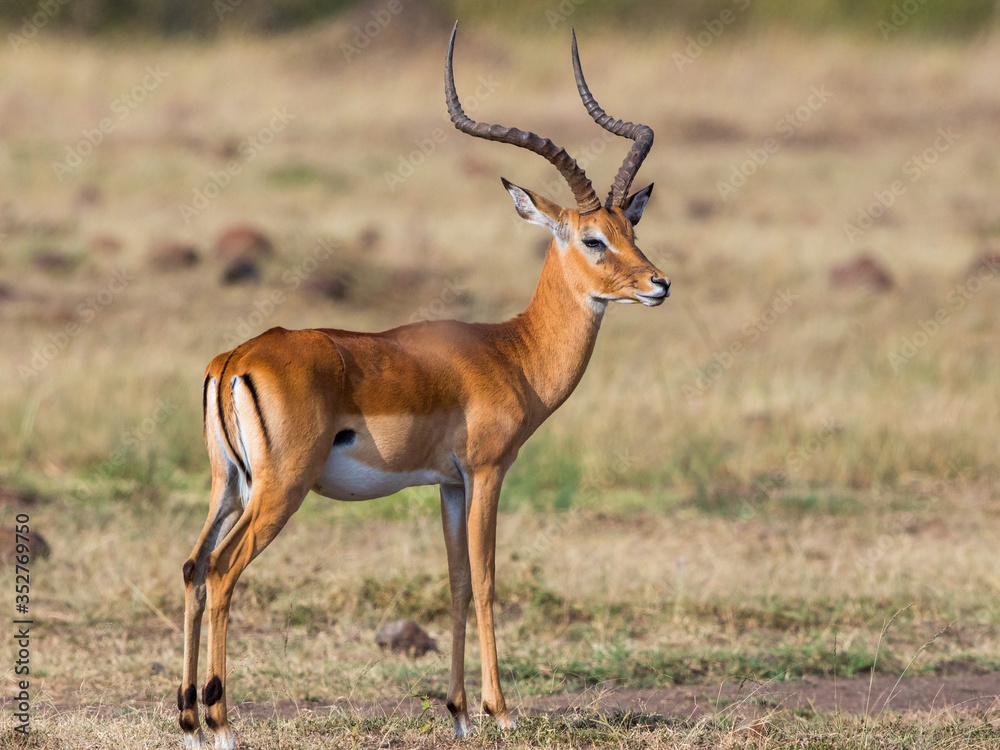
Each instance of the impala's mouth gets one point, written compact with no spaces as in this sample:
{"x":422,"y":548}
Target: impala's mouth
{"x":652,"y":300}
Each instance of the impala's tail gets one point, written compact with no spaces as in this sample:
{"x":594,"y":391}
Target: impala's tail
{"x":236,"y":429}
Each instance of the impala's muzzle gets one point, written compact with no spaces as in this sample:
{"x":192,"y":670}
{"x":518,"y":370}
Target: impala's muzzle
{"x":661,"y":290}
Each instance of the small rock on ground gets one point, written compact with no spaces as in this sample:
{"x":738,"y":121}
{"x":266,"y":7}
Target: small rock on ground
{"x":405,"y":636}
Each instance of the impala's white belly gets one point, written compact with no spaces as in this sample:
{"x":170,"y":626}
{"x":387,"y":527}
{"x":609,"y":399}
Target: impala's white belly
{"x":345,"y":478}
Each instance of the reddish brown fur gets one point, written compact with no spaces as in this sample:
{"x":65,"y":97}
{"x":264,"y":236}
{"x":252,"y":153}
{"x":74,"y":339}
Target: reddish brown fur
{"x":471,"y":393}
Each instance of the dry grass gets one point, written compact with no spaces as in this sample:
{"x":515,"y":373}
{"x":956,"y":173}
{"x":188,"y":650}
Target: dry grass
{"x":151,"y":728}
{"x":783,"y":514}
{"x":586,"y":601}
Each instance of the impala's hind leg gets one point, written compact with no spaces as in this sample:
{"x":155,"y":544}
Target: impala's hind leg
{"x":224,"y":510}
{"x":270,"y":420}
{"x":267,"y":512}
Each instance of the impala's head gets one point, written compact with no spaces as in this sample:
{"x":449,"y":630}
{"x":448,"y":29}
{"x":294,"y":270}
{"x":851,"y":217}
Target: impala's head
{"x":597,"y":248}
{"x":596,"y":243}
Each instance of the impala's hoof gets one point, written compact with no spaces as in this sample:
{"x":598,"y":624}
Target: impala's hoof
{"x":463,"y":727}
{"x":224,"y":739}
{"x":505,"y":722}
{"x":194,"y":740}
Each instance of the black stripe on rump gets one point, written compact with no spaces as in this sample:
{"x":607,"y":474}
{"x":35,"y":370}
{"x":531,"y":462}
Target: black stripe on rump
{"x":222,"y":416}
{"x":248,"y":381}
{"x":204,"y":404}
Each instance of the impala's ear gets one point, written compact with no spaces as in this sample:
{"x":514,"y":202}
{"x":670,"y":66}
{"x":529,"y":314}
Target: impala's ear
{"x":534,"y":208}
{"x":636,"y":203}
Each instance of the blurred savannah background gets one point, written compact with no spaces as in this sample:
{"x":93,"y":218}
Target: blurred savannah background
{"x":783,"y":480}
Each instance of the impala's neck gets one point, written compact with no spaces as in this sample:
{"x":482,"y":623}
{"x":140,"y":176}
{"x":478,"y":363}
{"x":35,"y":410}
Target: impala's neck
{"x":559,"y":329}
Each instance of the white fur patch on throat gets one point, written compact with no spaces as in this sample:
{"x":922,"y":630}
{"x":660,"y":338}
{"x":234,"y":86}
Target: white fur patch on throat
{"x":598,"y":305}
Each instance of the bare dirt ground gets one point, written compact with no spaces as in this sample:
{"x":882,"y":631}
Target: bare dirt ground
{"x":857,"y":695}
{"x":937,"y":695}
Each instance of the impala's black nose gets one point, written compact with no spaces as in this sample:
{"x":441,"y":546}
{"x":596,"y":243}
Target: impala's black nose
{"x":663,"y":284}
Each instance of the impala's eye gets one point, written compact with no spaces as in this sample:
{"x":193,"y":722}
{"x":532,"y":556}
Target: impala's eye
{"x":593,"y":243}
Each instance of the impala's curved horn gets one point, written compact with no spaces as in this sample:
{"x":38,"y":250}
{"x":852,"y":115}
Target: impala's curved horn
{"x":641,"y":134}
{"x":576,"y":178}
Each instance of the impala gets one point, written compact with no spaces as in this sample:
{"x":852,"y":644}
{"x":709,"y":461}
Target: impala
{"x":355,"y":416}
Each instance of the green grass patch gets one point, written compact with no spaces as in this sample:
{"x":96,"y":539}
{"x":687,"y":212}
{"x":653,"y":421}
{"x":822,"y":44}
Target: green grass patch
{"x":546,"y":476}
{"x":300,"y":174}
{"x":621,"y":665}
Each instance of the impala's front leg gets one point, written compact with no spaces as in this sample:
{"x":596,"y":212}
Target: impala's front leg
{"x":482,"y":556}
{"x":456,"y":538}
